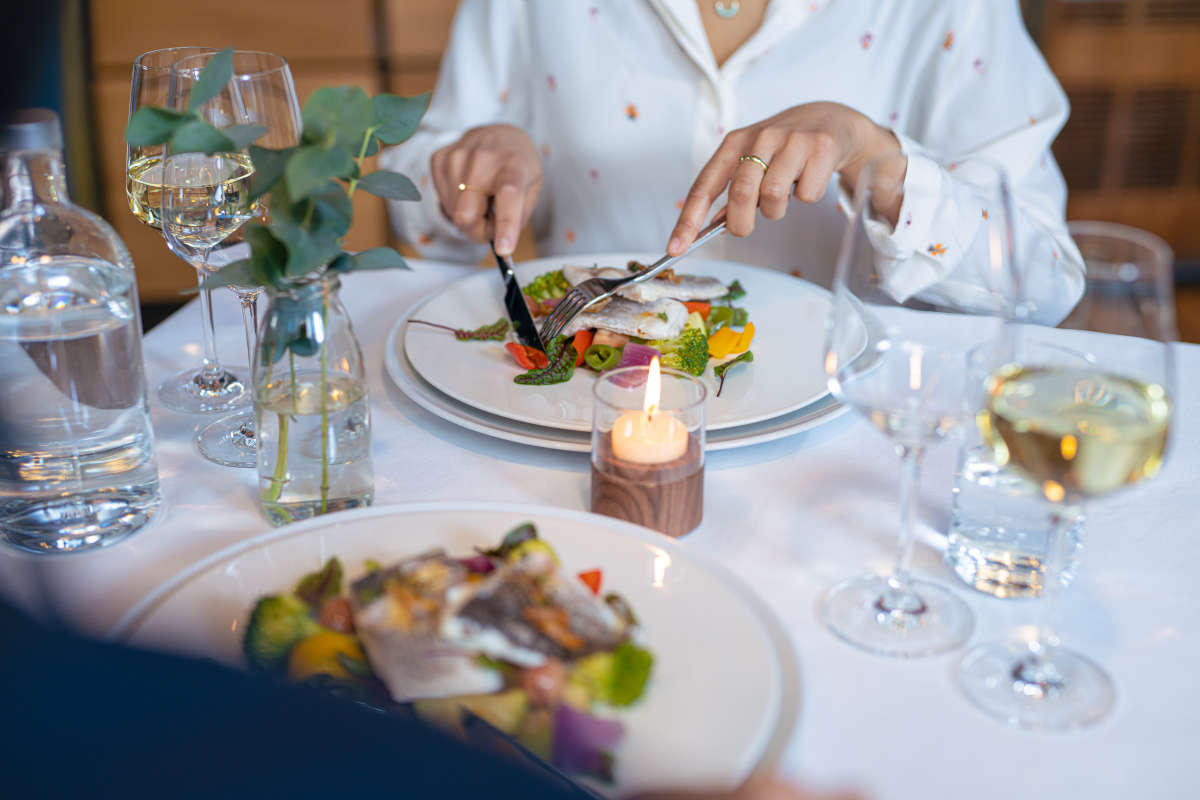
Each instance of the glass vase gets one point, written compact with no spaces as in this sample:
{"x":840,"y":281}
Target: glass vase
{"x":311,"y":406}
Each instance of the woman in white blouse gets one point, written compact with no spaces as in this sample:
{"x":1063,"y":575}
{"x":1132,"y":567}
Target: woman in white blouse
{"x":617,"y":125}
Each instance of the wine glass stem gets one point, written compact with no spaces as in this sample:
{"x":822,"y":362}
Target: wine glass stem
{"x":249,"y":302}
{"x":911,"y":458}
{"x":212,"y":367}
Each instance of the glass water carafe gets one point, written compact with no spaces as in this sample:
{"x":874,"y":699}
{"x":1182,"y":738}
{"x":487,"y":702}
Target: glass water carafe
{"x":312,"y":410}
{"x":77,"y":468}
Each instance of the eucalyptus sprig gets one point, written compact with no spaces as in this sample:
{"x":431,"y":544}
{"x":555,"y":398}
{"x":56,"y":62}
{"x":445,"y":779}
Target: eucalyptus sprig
{"x":309,"y":185}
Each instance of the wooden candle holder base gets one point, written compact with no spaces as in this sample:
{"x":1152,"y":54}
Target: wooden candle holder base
{"x":666,"y":497}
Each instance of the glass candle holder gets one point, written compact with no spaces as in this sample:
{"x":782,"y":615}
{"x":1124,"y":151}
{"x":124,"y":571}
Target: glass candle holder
{"x":648,"y":457}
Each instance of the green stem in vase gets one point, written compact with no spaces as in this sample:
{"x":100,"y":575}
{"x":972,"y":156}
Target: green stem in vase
{"x":362,"y":153}
{"x":324,"y":414}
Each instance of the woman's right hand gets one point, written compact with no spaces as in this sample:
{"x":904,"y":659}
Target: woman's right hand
{"x":497,"y":161}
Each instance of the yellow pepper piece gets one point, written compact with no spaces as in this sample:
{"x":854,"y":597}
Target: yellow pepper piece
{"x":721,"y":342}
{"x":744,"y":340}
{"x":728,"y":342}
{"x":318,"y":655}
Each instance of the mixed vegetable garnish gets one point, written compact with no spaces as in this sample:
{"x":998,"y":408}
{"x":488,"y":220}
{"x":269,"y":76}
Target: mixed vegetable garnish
{"x":505,"y":635}
{"x":701,"y":332}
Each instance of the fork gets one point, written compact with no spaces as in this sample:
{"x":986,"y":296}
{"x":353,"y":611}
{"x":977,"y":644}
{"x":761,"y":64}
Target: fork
{"x":586,"y":294}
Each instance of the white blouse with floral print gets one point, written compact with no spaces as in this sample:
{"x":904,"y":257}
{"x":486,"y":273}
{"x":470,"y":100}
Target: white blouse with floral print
{"x":626,"y":103}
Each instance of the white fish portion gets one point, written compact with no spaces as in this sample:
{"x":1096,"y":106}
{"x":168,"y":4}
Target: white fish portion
{"x":414,"y":665}
{"x":634,"y":319}
{"x":401,"y":631}
{"x":688,"y":287}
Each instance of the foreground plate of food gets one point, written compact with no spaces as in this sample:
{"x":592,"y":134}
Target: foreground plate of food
{"x":788,"y":317}
{"x":696,"y":717}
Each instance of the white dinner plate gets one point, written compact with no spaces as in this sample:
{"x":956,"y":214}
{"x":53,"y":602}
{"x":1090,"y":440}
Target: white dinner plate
{"x":787,"y":373}
{"x":723,"y":694}
{"x":402,"y":373}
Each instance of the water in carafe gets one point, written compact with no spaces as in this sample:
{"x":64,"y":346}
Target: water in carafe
{"x":77,"y":467}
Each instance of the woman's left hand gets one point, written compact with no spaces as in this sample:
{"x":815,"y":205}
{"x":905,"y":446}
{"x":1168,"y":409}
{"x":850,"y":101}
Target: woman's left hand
{"x":803,"y":145}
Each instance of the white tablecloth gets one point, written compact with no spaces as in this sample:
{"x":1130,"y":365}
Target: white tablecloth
{"x":790,"y":517}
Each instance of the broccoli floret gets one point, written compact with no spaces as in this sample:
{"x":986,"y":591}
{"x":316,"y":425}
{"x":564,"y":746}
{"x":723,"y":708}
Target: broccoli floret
{"x":546,"y":286}
{"x":689,"y":350}
{"x":616,"y":678}
{"x":276,"y":624}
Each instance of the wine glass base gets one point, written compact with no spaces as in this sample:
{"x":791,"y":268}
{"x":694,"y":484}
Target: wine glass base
{"x":190,"y":393}
{"x":226,"y":441}
{"x":999,"y":679}
{"x":871,"y":614}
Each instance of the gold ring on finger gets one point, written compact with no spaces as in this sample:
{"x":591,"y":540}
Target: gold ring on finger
{"x":754,"y":159}
{"x":466,"y":187}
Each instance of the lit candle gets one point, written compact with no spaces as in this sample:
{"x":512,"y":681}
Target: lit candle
{"x":648,"y":436}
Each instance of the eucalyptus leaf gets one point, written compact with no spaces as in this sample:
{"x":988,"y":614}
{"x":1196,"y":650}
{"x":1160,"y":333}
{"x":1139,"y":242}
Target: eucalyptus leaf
{"x":332,"y":211}
{"x":150,"y":125}
{"x":243,"y":135}
{"x":212,"y":79}
{"x":340,"y":115}
{"x":396,"y":118}
{"x":375,"y":258}
{"x":391,"y":185}
{"x":268,"y":255}
{"x":312,"y":165}
{"x":239,"y":273}
{"x":306,"y":251}
{"x":197,"y":136}
{"x":268,"y":168}
{"x":372,"y":147}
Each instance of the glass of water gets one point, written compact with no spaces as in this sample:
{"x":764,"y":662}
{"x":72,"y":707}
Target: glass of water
{"x":999,"y":535}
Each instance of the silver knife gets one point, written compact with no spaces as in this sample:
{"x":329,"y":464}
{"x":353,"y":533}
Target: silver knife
{"x":514,"y":304}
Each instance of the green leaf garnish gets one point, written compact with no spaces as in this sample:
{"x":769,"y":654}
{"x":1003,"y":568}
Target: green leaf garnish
{"x":494,"y":332}
{"x":561,"y":353}
{"x":720,"y":370}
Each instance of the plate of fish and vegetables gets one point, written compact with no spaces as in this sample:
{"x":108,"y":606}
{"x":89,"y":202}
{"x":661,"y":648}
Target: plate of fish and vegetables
{"x":575,"y":636}
{"x":754,"y":335}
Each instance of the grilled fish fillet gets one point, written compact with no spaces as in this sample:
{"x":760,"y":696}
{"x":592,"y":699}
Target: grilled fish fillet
{"x":661,"y":319}
{"x":530,"y":610}
{"x":684,"y":287}
{"x":398,"y":616}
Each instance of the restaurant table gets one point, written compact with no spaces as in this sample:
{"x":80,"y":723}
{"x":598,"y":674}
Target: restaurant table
{"x":790,"y":518}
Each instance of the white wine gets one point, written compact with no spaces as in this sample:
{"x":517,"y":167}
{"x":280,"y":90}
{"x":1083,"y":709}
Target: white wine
{"x":1076,"y":431}
{"x":204,"y":198}
{"x":143,"y":181}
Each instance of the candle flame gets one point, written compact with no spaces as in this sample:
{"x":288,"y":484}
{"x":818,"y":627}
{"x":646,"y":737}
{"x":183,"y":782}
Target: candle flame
{"x":653,"y":388}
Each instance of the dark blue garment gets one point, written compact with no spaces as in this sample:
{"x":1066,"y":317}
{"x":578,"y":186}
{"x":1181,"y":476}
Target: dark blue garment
{"x":85,"y":719}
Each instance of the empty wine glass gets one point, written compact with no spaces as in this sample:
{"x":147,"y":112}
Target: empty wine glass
{"x":1082,"y":415}
{"x":910,"y":379}
{"x":261,"y":92}
{"x":211,"y":388}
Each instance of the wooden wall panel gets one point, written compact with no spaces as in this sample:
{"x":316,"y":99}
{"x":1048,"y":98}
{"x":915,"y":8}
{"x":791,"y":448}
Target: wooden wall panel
{"x":417,"y":30}
{"x":300,"y":30}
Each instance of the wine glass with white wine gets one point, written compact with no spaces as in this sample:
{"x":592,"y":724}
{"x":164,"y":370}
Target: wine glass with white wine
{"x":260,"y":93}
{"x":210,"y":388}
{"x":1082,"y":413}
